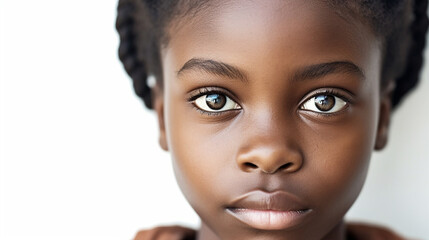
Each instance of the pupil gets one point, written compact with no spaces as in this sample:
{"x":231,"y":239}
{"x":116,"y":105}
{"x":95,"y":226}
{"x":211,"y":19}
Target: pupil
{"x":215,"y":101}
{"x":324,"y":102}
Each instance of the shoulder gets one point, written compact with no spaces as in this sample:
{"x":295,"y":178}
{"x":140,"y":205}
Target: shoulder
{"x":355,"y":231}
{"x":358,"y":231}
{"x":166,"y":233}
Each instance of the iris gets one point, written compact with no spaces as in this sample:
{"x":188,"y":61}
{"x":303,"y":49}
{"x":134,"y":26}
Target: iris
{"x":215,"y":101}
{"x":324,"y":102}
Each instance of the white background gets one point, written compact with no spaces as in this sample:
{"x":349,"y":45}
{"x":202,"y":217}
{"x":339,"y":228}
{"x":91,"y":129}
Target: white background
{"x":78,"y":151}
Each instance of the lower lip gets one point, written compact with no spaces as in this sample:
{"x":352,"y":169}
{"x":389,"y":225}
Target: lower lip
{"x":269,"y":219}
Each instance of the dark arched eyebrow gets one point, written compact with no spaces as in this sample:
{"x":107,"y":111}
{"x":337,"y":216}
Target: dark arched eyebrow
{"x":213,"y":67}
{"x":308,"y":72}
{"x":323,"y":69}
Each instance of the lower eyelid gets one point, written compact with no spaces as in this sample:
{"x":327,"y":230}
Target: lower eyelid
{"x":216,"y":117}
{"x":325,"y":117}
{"x":199,"y":110}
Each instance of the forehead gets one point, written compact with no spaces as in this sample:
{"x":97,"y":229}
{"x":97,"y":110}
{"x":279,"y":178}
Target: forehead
{"x":288,"y":33}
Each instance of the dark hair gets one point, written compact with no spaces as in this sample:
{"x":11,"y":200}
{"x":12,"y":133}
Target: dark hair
{"x":401,"y":24}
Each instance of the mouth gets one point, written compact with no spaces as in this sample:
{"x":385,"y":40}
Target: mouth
{"x":269,"y":211}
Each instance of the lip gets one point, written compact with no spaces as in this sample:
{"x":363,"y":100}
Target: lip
{"x":269,"y":211}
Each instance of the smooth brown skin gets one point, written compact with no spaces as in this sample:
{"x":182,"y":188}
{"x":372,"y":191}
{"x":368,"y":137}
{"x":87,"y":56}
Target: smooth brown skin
{"x":271,"y":143}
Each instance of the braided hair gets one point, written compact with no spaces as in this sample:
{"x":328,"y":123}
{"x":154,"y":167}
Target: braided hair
{"x":410,"y":76}
{"x":401,"y":24}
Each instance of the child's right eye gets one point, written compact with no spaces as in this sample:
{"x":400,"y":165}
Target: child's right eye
{"x":215,"y":102}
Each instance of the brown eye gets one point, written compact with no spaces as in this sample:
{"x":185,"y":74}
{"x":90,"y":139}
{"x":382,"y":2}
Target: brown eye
{"x":324,"y":103}
{"x":215,"y":101}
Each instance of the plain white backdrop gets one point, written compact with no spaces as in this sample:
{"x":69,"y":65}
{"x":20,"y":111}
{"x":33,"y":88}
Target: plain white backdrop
{"x":79,"y":157}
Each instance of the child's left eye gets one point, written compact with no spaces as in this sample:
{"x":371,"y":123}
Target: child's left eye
{"x":215,"y":102}
{"x":324,"y":103}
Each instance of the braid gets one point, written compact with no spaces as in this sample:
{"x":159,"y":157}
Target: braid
{"x":409,"y":79}
{"x":128,"y":52}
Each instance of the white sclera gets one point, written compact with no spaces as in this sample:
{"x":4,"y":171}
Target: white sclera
{"x":202,"y":104}
{"x":310,"y":105}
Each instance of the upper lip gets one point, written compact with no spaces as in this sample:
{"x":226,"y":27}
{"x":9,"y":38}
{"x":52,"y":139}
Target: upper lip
{"x":265,"y":201}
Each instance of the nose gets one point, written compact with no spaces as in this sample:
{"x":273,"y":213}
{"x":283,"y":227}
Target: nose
{"x":270,"y":158}
{"x":270,"y":143}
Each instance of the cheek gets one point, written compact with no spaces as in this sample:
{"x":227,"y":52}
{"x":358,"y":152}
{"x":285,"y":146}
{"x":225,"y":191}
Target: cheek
{"x":201,"y":154}
{"x":338,"y":156}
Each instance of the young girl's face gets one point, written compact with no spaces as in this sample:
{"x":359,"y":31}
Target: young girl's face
{"x":271,"y":110}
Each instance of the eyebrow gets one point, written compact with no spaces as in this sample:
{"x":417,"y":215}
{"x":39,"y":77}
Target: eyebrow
{"x":323,"y":69}
{"x":307,"y":72}
{"x":213,"y":67}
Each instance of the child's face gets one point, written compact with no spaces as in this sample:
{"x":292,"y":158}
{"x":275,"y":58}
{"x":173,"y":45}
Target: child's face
{"x":269,"y":162}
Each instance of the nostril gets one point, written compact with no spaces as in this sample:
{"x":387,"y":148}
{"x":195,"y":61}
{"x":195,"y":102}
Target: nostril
{"x":250,"y":165}
{"x":285,"y":166}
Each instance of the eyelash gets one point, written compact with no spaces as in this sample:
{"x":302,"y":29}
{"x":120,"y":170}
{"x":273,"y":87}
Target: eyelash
{"x":330,"y":91}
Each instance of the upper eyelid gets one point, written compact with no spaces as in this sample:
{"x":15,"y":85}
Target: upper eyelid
{"x":196,"y":93}
{"x":338,"y":92}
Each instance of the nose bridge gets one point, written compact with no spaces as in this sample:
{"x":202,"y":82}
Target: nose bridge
{"x":270,"y":123}
{"x":270,"y":144}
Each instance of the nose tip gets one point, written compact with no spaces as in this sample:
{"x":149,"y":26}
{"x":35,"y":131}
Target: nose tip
{"x":270,"y":160}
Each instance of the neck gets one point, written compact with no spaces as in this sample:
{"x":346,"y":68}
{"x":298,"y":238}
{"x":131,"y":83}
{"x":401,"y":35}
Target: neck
{"x":337,"y":233}
{"x":205,"y":233}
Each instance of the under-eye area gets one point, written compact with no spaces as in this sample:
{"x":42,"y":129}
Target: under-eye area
{"x":213,"y":101}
